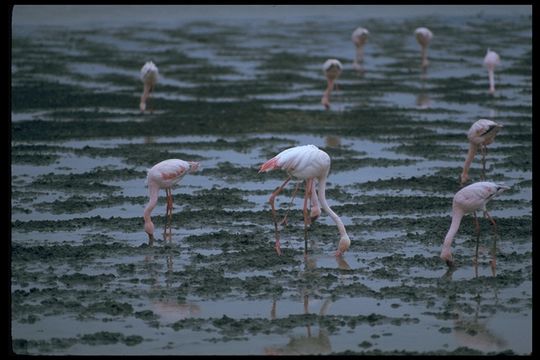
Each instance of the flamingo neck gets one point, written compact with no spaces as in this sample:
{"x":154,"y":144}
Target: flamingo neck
{"x":424,"y":55}
{"x":324,"y":205}
{"x":329,"y":87}
{"x":491,"y":75}
{"x":153,"y":191}
{"x":457,"y":215}
{"x":360,"y":54}
{"x":468,"y":160}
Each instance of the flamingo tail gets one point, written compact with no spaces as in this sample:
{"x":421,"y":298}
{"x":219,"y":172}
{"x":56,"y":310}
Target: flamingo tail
{"x":269,"y":165}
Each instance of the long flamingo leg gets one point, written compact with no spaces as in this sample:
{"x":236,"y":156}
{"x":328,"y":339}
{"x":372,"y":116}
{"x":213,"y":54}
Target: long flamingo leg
{"x":484,"y":153}
{"x":284,"y":220}
{"x":271,"y":201}
{"x":476,"y":224}
{"x":476,"y":252}
{"x":307,"y":219}
{"x":314,"y":205}
{"x":168,"y":192}
{"x":494,"y":255}
{"x":149,"y":96}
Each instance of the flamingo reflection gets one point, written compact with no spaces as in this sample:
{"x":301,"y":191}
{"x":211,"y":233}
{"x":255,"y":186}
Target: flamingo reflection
{"x":471,"y":328}
{"x":309,"y":344}
{"x":168,"y":308}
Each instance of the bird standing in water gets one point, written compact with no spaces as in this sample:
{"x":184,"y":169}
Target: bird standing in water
{"x":480,"y":135}
{"x":307,"y":163}
{"x":164,"y":175}
{"x":149,"y":77}
{"x":423,"y":36}
{"x":359,"y":38}
{"x":491,"y":60}
{"x":332,"y":70}
{"x":468,"y":200}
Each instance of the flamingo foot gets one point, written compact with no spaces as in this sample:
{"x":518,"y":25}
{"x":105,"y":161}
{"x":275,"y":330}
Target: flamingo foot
{"x":151,"y":239}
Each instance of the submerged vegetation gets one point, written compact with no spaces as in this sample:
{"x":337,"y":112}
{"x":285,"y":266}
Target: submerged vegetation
{"x":231,"y":96}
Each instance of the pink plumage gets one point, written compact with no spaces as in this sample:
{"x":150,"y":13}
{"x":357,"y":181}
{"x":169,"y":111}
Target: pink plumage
{"x":310,"y":164}
{"x":164,"y":175}
{"x":468,"y":200}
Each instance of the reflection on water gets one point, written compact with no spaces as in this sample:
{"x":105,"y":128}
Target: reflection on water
{"x":309,"y":344}
{"x":472,"y":323}
{"x":167,"y":306}
{"x":316,"y":339}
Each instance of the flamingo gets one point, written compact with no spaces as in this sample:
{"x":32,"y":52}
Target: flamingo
{"x":359,"y":38}
{"x":164,"y":175}
{"x":481,"y":134}
{"x":468,"y":200}
{"x":332,"y":70}
{"x":307,"y":163}
{"x":149,"y":76}
{"x":491,"y":60}
{"x":423,"y":36}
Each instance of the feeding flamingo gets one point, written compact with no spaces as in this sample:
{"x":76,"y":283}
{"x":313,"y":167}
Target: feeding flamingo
{"x":307,"y":163}
{"x":491,"y":60}
{"x":164,"y":175}
{"x":481,"y":134}
{"x":359,"y":38}
{"x":468,"y":200}
{"x":423,"y":36}
{"x":332,"y":70}
{"x":149,"y":76}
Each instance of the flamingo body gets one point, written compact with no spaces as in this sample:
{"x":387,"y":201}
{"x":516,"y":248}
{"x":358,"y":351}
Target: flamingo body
{"x":164,"y":175}
{"x":480,"y":134}
{"x":332,"y":69}
{"x":491,"y":60}
{"x":423,"y":36}
{"x":359,"y":38}
{"x":307,"y":163}
{"x":149,"y":77}
{"x":468,"y":200}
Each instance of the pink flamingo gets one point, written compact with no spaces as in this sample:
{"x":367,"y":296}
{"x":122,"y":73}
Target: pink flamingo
{"x":332,"y":70}
{"x":481,"y":134}
{"x":306,"y":163}
{"x":491,"y":60}
{"x":359,"y":38}
{"x":468,"y":200}
{"x":164,"y":175}
{"x":149,"y":77}
{"x":423,"y":36}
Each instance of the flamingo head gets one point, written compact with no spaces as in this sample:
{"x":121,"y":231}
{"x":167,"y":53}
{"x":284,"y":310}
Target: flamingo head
{"x":194,"y":166}
{"x":446,"y":255}
{"x":149,"y":229}
{"x":344,"y":244}
{"x":499,"y":188}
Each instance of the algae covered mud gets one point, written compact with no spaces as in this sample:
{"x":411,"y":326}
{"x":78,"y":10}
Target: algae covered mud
{"x":231,"y":94}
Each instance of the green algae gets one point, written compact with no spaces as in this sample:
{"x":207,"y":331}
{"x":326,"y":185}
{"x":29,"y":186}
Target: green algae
{"x":105,"y":278}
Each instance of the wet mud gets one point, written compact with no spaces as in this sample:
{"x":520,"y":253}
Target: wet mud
{"x":84,"y":280}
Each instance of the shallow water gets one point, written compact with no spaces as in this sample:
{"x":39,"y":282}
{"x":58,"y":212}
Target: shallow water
{"x":233,"y":92}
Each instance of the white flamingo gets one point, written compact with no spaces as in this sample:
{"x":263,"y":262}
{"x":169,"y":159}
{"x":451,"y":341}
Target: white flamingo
{"x":491,"y":60}
{"x":149,"y":77}
{"x":481,"y":134}
{"x":307,"y":163}
{"x":423,"y":36}
{"x":164,"y":175}
{"x":359,"y":38}
{"x":332,"y":69}
{"x":468,"y":200}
